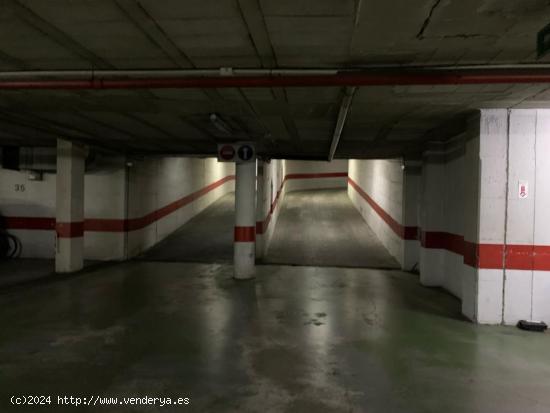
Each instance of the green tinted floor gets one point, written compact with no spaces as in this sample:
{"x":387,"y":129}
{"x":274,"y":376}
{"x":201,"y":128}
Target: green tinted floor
{"x":297,"y":339}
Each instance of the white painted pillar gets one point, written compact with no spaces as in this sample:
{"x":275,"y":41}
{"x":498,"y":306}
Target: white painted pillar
{"x":503,"y":231}
{"x":484,"y":216}
{"x":432,"y":216}
{"x":527,"y":242}
{"x":69,"y":255}
{"x":540,"y":308}
{"x":245,"y":220}
{"x":410,"y":197}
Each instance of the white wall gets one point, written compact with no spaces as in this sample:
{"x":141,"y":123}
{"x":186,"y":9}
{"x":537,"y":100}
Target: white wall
{"x":383,"y":182}
{"x":441,"y":215}
{"x":280,"y":176}
{"x":270,"y":198}
{"x":482,"y":242}
{"x":109,"y":201}
{"x":302,"y":168}
{"x":103,"y":199}
{"x":527,"y":290}
{"x":37,"y":200}
{"x":157,"y":183}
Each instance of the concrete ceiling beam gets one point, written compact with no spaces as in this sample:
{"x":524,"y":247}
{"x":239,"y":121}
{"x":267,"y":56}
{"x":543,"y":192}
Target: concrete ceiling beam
{"x":135,"y":12}
{"x":57,"y":35}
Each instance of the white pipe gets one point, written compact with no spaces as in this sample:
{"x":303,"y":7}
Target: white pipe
{"x":178,"y":73}
{"x":156,"y":74}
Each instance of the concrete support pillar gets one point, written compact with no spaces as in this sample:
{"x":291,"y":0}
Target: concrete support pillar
{"x":506,"y":274}
{"x":245,"y":220}
{"x":409,"y":219}
{"x":527,"y":239}
{"x":540,"y":305}
{"x":432,"y":216}
{"x":69,"y":207}
{"x":484,"y":217}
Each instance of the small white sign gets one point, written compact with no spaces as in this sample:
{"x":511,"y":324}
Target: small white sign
{"x":523,"y":189}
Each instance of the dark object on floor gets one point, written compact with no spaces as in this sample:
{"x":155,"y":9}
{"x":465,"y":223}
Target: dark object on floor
{"x":532,"y":325}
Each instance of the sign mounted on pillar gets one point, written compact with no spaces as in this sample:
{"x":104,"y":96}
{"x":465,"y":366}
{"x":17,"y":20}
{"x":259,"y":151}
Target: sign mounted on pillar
{"x":523,"y":189}
{"x":240,"y":152}
{"x":226,"y":153}
{"x":246,"y":153}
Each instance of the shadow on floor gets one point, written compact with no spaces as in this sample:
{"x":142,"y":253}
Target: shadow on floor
{"x":207,"y":237}
{"x":25,"y":271}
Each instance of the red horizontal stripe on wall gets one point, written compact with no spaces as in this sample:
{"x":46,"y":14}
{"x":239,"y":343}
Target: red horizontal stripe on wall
{"x":470,"y":253}
{"x":442,"y":240}
{"x":261,"y":227}
{"x":407,"y":233}
{"x":317,"y":175}
{"x":112,"y":225}
{"x":35,"y":223}
{"x":104,"y":225}
{"x":483,"y":256}
{"x":138,"y":223}
{"x":410,"y":233}
{"x":245,"y":234}
{"x":69,"y":229}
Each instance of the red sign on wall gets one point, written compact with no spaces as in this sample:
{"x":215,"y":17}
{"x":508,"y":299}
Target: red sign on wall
{"x":523,"y":189}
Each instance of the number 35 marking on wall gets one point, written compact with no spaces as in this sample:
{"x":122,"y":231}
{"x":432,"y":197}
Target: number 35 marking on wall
{"x":19,"y":187}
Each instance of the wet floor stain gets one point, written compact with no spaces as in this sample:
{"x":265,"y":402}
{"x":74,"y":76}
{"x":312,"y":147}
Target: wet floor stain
{"x":294,"y":339}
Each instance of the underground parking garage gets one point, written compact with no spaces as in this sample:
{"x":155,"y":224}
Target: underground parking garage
{"x":283,"y":206}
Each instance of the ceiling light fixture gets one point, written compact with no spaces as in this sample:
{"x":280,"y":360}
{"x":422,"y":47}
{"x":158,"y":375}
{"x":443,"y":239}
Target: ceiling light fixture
{"x":220,"y":124}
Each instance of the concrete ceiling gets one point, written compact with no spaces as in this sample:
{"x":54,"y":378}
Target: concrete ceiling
{"x":384,"y":121}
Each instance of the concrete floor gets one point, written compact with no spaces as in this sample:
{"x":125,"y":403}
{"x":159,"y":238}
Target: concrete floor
{"x":331,"y":233}
{"x":22,"y":271}
{"x":323,"y":228}
{"x":207,"y":237}
{"x":297,"y":339}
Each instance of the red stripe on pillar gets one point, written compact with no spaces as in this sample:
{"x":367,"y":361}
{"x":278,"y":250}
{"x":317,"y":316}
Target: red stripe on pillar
{"x":541,"y":258}
{"x":245,"y":234}
{"x":519,"y":257}
{"x":69,"y":229}
{"x":470,"y":254}
{"x":490,"y":256}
